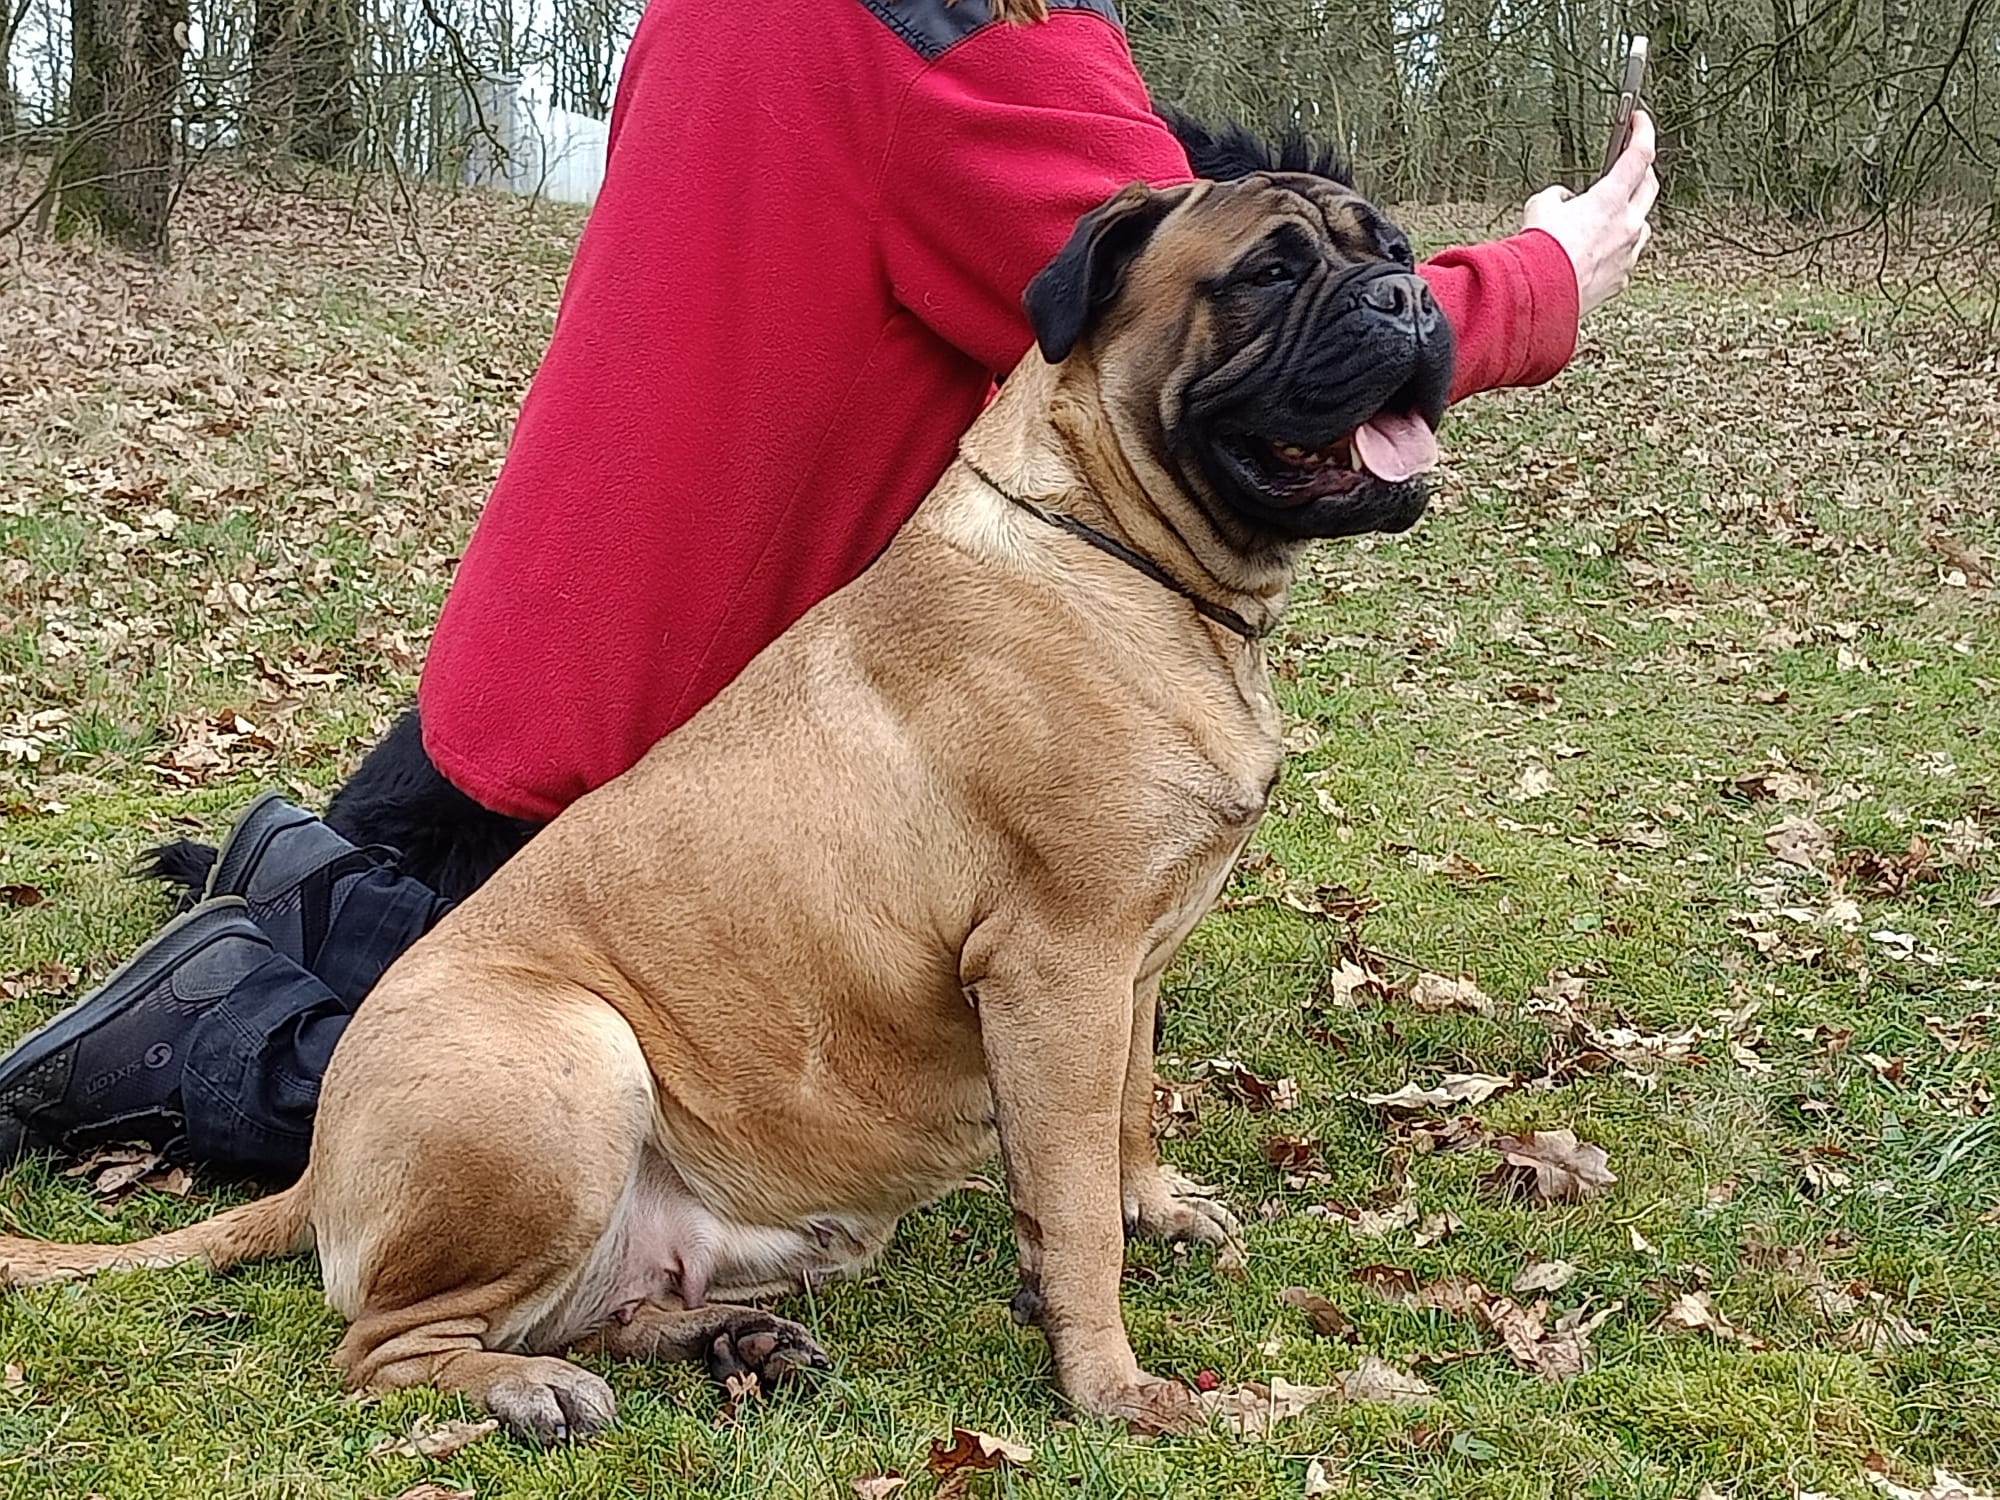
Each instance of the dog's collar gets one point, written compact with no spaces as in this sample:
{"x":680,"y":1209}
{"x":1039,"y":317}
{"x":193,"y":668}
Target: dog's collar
{"x":1227,"y":618}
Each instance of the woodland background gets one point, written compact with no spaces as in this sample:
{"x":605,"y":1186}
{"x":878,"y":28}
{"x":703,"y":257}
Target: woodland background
{"x":1798,"y":115}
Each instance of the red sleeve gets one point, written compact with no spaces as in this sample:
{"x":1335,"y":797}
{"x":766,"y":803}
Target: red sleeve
{"x":1018,"y":131}
{"x":1001,"y":146}
{"x":1513,"y":305}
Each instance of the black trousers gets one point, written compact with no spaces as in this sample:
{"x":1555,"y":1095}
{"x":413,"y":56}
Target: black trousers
{"x":254,"y":1063}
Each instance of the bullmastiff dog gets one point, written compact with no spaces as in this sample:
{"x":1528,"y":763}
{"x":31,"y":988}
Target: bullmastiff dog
{"x":905,"y":891}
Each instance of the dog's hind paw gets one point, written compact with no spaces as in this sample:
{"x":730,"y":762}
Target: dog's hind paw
{"x":1147,"y":1407}
{"x":773,"y":1349}
{"x":551,"y":1400}
{"x":1161,"y":1204}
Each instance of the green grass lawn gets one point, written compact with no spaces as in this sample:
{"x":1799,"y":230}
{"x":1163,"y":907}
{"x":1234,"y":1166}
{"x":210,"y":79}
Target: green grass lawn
{"x":1714,"y":579}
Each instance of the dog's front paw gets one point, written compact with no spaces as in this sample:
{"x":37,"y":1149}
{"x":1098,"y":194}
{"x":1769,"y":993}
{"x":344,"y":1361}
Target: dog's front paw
{"x":1148,"y":1406}
{"x":772,"y":1349}
{"x":1161,"y":1204}
{"x":551,"y":1401}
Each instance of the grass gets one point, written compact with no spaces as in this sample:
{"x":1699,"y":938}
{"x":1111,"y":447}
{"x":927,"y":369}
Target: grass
{"x":236,"y":488}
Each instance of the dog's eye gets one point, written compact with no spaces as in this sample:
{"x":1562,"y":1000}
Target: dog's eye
{"x":1273,"y":273}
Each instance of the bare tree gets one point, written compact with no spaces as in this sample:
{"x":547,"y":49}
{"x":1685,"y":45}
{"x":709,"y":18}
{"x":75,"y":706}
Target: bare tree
{"x":116,"y":169}
{"x":301,"y":99}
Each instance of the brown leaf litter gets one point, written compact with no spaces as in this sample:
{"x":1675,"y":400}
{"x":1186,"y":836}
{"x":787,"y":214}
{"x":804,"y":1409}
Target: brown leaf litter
{"x":428,"y":1440}
{"x":1551,"y":1166}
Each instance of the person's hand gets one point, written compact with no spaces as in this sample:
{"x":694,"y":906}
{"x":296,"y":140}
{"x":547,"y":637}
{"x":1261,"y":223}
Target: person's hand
{"x":1604,"y":230}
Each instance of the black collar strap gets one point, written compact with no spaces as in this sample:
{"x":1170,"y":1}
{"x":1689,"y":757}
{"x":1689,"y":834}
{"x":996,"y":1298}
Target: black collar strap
{"x":1228,"y":619}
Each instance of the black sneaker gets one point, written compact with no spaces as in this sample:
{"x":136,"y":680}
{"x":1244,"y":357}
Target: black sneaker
{"x":109,"y":1067}
{"x":289,"y":868}
{"x":342,"y":913}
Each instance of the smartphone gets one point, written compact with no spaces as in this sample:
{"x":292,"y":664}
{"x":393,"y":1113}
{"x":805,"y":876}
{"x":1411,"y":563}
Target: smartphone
{"x":1628,"y":102}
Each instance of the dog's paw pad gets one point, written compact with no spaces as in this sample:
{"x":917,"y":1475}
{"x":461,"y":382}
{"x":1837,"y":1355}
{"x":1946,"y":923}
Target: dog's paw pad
{"x":773,"y":1349}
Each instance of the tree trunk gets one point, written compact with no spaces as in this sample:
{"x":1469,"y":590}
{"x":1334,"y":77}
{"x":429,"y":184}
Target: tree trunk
{"x":1892,"y":60}
{"x":1562,"y":91}
{"x":1671,"y":90}
{"x":12,"y":14}
{"x":301,"y":100}
{"x":117,"y":165}
{"x":1786,"y":170}
{"x":1466,"y":95}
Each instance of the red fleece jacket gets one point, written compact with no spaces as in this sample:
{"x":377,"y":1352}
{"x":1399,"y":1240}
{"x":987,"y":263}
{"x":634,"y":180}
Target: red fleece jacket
{"x":803,"y":270}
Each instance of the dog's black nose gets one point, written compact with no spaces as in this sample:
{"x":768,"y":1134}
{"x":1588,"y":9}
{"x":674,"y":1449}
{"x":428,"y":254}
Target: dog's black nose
{"x":1405,"y":298}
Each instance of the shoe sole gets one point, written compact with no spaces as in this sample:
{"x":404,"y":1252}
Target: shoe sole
{"x":71,"y":1026}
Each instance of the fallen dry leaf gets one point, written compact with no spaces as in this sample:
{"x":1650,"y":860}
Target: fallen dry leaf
{"x":115,"y":1169}
{"x":1251,"y":1410}
{"x":974,"y":1450}
{"x":1345,"y":986}
{"x":21,"y":895}
{"x":1321,"y":1479}
{"x":1551,"y":1166}
{"x":1818,"y":1179}
{"x":1435,"y":994}
{"x":1327,"y":1320}
{"x":1800,"y":840}
{"x":1775,"y":783}
{"x":1459,"y":1133}
{"x":1696,"y":1312}
{"x":738,"y":1391}
{"x":1297,"y":1156}
{"x":1944,"y":1485}
{"x":426,"y":1440}
{"x":1972,"y":568}
{"x":1374,"y":1223}
{"x":1524,"y":1336}
{"x":1453,"y":1088}
{"x":1377,"y":1381}
{"x":1175,"y":1115}
{"x":430,"y":1490}
{"x":877,"y":1486}
{"x":1436,"y":1228}
{"x":1335,"y":902}
{"x":1391,"y":1283}
{"x":1534,"y":781}
{"x":51,"y":978}
{"x":1965,"y":1035}
{"x":1883,"y":873}
{"x":1545,"y":1276}
{"x":1883,"y":1329}
{"x":13,"y":1378}
{"x":1455,"y":866}
{"x":1259,"y":1093}
{"x":1457,"y":1295}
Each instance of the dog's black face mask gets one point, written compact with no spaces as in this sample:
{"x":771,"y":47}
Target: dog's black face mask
{"x":1309,"y":364}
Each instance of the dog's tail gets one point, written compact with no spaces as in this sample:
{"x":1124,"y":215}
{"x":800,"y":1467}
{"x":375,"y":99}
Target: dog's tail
{"x":278,"y":1225}
{"x":183,"y":864}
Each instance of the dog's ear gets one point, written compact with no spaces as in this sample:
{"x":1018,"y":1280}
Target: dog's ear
{"x":1065,"y":299}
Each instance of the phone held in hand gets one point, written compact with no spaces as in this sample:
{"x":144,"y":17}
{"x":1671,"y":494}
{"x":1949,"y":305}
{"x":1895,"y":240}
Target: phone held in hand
{"x":1628,"y":102}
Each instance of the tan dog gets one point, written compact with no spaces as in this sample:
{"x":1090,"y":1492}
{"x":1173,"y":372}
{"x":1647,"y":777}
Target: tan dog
{"x":907,"y":887}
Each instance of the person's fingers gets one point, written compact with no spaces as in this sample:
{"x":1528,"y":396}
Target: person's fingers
{"x":1648,"y":193}
{"x":1645,"y":238}
{"x":1627,"y":172}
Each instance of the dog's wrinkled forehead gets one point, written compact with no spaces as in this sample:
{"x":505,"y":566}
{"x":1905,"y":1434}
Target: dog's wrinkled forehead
{"x":1294,"y":210}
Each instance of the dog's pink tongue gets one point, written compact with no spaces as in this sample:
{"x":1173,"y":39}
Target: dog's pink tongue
{"x":1396,"y":447}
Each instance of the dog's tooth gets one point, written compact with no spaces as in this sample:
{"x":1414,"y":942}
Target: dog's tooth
{"x":1354,"y":457}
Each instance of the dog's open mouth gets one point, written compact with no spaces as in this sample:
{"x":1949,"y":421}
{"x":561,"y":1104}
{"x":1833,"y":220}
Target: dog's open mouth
{"x":1393,"y":447}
